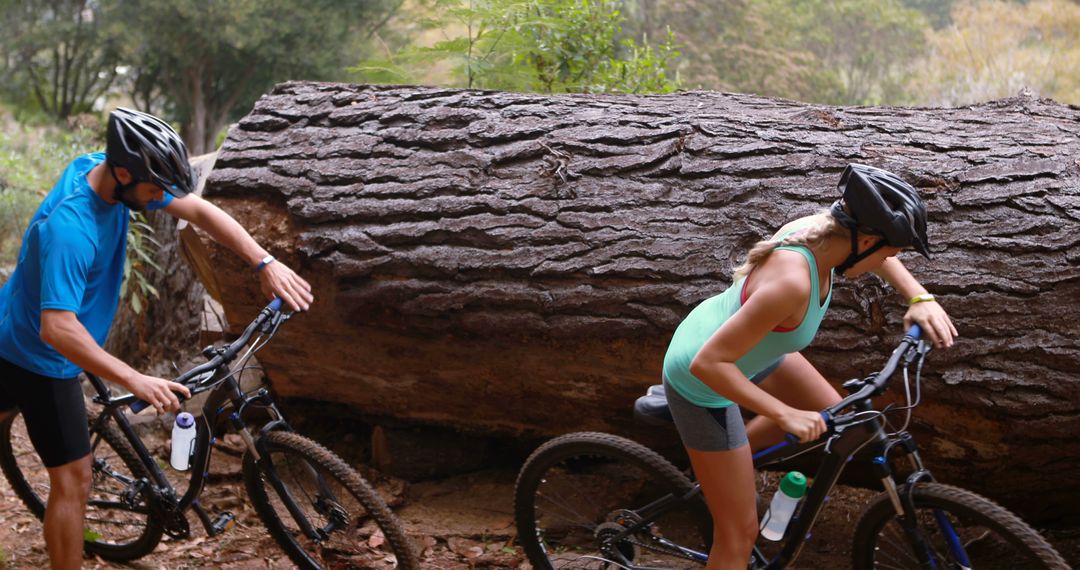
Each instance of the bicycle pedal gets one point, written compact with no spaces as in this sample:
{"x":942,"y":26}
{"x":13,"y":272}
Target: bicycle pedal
{"x":224,"y":522}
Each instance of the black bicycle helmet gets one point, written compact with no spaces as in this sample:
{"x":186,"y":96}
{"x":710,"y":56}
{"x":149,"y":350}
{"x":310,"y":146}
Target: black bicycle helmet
{"x":150,"y":150}
{"x":878,"y":202}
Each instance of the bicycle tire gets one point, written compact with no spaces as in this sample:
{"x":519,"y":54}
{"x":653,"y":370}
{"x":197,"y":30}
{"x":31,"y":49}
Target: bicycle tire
{"x":303,"y":465}
{"x":116,"y":530}
{"x":575,"y":492}
{"x":992,"y":536}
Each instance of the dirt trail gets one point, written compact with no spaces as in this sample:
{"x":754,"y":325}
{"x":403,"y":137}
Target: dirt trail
{"x":463,"y":522}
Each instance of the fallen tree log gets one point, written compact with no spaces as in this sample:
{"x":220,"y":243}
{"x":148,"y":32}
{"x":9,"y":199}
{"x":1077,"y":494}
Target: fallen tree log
{"x":516,"y":263}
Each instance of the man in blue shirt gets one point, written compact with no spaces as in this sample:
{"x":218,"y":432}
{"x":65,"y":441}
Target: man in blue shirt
{"x":58,"y":305}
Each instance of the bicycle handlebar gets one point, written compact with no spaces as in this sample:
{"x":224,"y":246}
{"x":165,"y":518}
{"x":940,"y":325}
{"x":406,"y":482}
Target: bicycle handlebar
{"x":880,"y":380}
{"x":869,"y":390}
{"x":225,"y":355}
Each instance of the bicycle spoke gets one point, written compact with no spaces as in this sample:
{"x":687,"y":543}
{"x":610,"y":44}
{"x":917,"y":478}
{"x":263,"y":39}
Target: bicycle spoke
{"x":346,"y":533}
{"x":947,"y":520}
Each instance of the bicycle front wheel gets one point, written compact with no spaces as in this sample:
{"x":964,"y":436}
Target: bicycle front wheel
{"x":958,"y":528}
{"x":347,"y":524}
{"x":577,"y":495}
{"x":119,"y":524}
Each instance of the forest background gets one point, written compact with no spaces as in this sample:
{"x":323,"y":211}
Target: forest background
{"x":202,"y":63}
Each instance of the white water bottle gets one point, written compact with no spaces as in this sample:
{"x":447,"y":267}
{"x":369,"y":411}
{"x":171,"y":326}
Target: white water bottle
{"x":787,"y":497}
{"x":183,"y":441}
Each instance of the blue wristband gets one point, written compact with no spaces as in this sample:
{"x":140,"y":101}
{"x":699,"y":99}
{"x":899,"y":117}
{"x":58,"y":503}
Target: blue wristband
{"x":266,"y":261}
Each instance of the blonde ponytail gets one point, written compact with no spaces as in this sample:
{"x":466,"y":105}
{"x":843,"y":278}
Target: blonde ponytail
{"x":812,"y":237}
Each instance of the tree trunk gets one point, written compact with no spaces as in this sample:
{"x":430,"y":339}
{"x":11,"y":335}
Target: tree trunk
{"x":517,"y":263}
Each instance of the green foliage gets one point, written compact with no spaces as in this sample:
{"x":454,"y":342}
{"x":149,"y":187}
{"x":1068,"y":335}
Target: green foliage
{"x":207,"y":62}
{"x":825,"y":51}
{"x":91,"y":535}
{"x":846,"y":52}
{"x":995,"y":49}
{"x":58,"y":56}
{"x":545,"y":46}
{"x":937,"y":12}
{"x":141,"y":247}
{"x":31,"y":159}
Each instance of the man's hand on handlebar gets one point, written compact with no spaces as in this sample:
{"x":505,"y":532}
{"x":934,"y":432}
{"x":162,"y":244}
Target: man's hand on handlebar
{"x":158,"y":392}
{"x":278,"y":280}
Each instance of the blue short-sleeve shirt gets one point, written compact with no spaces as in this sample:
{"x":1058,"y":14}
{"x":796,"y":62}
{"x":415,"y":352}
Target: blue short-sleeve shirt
{"x":72,"y":259}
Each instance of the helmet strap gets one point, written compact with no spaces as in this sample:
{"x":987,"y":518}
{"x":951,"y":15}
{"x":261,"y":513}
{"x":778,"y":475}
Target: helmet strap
{"x":855,"y":256}
{"x":119,"y":188}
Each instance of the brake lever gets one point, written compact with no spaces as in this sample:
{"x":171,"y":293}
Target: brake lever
{"x":275,"y":321}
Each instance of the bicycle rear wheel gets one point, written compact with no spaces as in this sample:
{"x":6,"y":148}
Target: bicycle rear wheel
{"x":352,"y":525}
{"x":961,"y":530}
{"x":119,"y":525}
{"x":577,"y":493}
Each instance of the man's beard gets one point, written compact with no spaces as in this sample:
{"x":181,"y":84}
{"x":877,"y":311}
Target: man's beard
{"x":126,"y":196}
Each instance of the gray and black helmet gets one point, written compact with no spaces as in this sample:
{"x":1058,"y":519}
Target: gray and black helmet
{"x":878,"y":202}
{"x":150,"y":150}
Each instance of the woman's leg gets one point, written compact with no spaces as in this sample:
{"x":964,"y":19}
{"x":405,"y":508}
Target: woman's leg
{"x":798,"y":384}
{"x":727,"y":480}
{"x":715,"y":440}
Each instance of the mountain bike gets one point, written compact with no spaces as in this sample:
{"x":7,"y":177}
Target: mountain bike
{"x":594,"y":500}
{"x":320,"y":511}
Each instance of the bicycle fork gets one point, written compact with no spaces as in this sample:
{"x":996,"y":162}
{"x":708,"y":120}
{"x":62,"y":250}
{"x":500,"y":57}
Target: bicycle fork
{"x":266,"y":465}
{"x":905,"y":503}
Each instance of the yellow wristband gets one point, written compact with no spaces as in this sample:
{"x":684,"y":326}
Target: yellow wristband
{"x":924,"y":298}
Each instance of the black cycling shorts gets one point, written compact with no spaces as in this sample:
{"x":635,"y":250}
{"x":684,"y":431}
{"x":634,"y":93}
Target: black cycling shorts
{"x":53,"y":409}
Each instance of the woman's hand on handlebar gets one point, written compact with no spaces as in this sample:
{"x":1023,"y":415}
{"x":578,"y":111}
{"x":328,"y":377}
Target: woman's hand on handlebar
{"x":807,"y":426}
{"x":158,"y":392}
{"x":935,"y":322}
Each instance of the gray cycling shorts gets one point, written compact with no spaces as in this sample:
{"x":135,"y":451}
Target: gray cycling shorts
{"x":711,"y":429}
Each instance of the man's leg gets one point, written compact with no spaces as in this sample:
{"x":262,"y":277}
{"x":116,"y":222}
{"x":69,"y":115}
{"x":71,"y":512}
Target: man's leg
{"x":55,"y":417}
{"x":64,"y":513}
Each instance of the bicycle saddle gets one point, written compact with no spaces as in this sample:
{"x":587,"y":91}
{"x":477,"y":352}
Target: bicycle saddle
{"x":652,"y":408}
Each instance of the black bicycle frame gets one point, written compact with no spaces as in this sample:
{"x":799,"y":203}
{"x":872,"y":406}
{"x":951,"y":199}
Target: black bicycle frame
{"x":225,"y":391}
{"x":840,"y":447}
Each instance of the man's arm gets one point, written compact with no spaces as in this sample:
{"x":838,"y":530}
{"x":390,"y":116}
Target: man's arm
{"x":929,"y":315}
{"x":63,"y":331}
{"x":275,"y":278}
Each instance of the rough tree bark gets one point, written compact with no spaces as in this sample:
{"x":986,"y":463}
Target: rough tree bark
{"x":517,"y":263}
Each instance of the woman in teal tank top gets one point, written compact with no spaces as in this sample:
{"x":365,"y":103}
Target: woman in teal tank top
{"x":741,"y":347}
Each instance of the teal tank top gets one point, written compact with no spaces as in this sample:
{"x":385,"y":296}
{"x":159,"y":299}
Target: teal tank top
{"x":713,"y":312}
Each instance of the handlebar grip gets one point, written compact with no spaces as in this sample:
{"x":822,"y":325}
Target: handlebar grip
{"x":140,"y":405}
{"x":914,"y":332}
{"x":826,"y":416}
{"x":275,"y":305}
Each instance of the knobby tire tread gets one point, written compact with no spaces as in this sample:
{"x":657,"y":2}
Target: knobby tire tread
{"x":955,"y":500}
{"x":377,"y":509}
{"x":577,"y":444}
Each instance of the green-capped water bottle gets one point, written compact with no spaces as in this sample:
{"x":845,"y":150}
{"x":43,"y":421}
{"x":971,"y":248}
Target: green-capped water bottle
{"x":787,"y":497}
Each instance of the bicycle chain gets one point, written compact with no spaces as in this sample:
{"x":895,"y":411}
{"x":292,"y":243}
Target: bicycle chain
{"x":669,"y":552}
